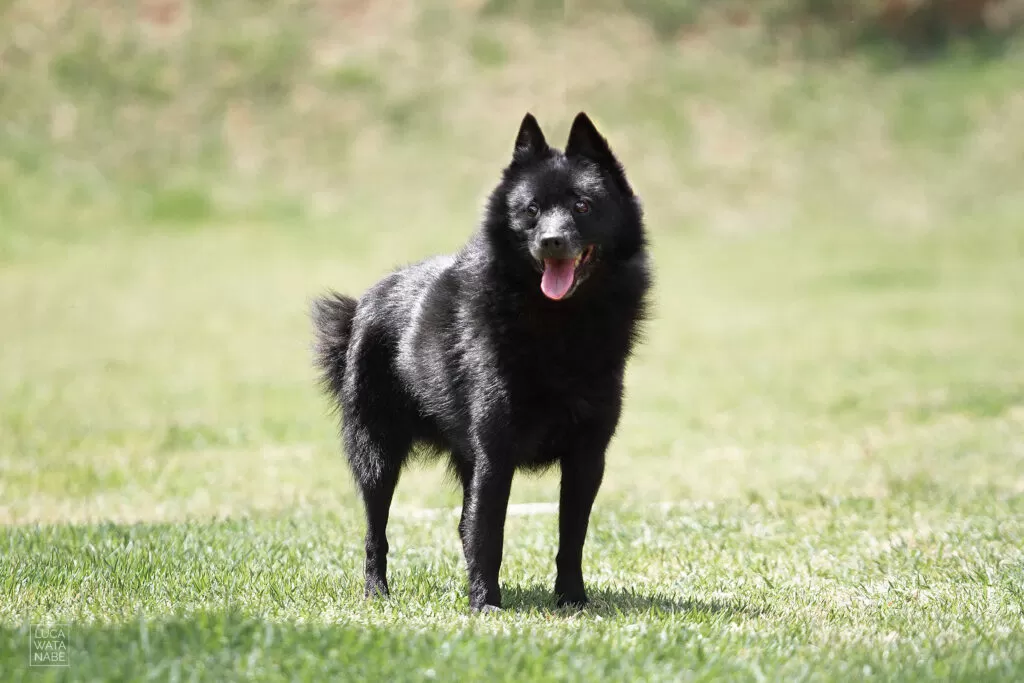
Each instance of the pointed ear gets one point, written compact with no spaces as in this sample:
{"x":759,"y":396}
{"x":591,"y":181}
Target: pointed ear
{"x":530,"y":142}
{"x":585,"y":141}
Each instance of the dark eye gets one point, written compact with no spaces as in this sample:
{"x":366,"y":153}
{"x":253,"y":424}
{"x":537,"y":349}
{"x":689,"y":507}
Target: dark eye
{"x":581,"y":206}
{"x":532,"y":210}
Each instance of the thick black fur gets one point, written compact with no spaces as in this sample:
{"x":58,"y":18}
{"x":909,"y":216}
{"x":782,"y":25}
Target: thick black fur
{"x":464,"y":354}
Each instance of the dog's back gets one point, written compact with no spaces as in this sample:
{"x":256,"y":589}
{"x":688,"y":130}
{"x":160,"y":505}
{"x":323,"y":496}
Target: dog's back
{"x":373,"y":353}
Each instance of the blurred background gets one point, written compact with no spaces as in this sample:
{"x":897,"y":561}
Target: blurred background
{"x":833,"y":191}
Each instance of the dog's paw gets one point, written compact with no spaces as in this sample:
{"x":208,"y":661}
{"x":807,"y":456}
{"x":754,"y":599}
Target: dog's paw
{"x":486,"y":609}
{"x":570,"y":592}
{"x":376,"y":588}
{"x":572,"y":600}
{"x":484,"y":599}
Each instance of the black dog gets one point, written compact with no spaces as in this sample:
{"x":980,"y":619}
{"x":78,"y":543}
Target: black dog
{"x":508,"y":355}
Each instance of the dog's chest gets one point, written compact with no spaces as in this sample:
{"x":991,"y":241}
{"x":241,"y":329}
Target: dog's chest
{"x":552,"y":390}
{"x":561,"y":367}
{"x":545,"y":425}
{"x":570,"y":353}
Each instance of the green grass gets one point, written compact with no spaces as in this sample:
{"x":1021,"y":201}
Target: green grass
{"x":914,"y":586}
{"x":838,"y":419}
{"x":819,"y":474}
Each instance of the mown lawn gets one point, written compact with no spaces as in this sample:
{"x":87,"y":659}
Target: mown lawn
{"x":820,"y":471}
{"x":819,"y":475}
{"x":916,"y":586}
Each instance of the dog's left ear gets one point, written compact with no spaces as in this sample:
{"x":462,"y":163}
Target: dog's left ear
{"x":585,"y":141}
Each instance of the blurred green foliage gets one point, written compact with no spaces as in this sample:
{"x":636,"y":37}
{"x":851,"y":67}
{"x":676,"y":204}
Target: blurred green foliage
{"x":243,"y":108}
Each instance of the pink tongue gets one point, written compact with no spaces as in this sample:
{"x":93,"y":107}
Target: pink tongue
{"x":558,"y":276}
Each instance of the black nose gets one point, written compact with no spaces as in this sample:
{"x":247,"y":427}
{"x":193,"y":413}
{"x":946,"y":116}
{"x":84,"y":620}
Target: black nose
{"x":552,"y":242}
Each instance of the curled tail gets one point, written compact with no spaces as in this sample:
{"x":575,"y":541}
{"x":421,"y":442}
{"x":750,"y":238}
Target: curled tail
{"x":332,"y":322}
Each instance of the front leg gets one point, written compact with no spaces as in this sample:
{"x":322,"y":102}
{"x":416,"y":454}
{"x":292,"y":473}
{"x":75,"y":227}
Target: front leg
{"x":483,"y":530}
{"x":582,"y":471}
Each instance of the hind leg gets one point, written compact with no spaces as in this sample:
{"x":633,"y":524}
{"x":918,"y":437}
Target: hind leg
{"x":464,"y":471}
{"x":377,"y":464}
{"x":378,"y":433}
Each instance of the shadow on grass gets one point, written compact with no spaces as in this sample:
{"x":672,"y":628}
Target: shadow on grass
{"x":609,"y":603}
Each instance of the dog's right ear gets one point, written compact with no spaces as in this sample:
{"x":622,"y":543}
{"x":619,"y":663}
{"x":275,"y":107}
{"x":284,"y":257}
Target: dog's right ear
{"x":530,"y":142}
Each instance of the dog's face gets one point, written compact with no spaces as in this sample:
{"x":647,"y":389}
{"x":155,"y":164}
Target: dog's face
{"x":568,"y":214}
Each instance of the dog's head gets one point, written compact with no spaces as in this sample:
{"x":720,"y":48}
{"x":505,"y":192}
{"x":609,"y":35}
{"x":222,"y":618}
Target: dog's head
{"x":568,"y":215}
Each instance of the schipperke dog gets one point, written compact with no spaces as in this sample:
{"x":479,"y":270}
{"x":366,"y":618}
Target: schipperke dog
{"x":507,"y":355}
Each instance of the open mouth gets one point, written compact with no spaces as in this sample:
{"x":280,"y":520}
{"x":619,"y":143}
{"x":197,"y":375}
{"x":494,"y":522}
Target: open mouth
{"x":560,"y":274}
